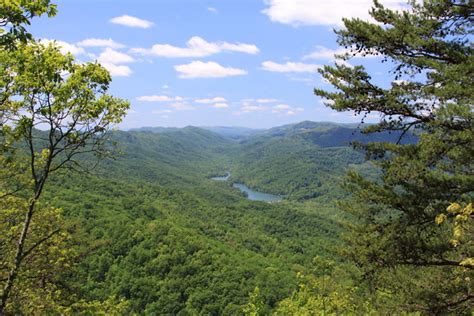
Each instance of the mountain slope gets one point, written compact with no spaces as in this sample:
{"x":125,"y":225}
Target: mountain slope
{"x":163,"y":236}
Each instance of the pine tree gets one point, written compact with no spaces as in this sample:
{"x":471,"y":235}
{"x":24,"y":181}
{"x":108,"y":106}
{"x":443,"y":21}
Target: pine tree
{"x":404,"y":233}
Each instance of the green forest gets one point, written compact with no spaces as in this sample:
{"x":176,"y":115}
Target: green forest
{"x":375,"y":219}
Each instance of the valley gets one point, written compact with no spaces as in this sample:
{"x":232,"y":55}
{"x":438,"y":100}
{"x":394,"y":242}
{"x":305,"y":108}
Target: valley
{"x":348,"y":192}
{"x":160,"y":224}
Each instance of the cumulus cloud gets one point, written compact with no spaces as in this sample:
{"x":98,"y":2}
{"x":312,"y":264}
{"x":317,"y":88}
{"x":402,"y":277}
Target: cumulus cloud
{"x":181,"y":106}
{"x":209,"y":101}
{"x":325,"y":53}
{"x":100,"y":42}
{"x":131,"y":21}
{"x":282,"y":107}
{"x":220,"y":105}
{"x":322,"y":12}
{"x":109,"y":58}
{"x":286,"y":109}
{"x":112,"y":60}
{"x":253,"y":106}
{"x":117,"y":70}
{"x":199,"y":69}
{"x":239,"y":47}
{"x":213,"y":10}
{"x":267,"y":100}
{"x":114,"y":57}
{"x":158,"y":98}
{"x":290,"y":67}
{"x":196,"y":47}
{"x":163,"y":111}
{"x":65,"y":47}
{"x":248,"y":107}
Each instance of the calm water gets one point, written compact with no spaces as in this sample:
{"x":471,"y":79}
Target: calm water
{"x":251,"y":194}
{"x":255,"y":195}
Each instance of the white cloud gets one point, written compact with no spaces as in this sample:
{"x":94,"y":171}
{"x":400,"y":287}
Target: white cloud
{"x":181,"y":106}
{"x":325,"y":53}
{"x":209,"y":101}
{"x":158,"y":98}
{"x":266,"y":100}
{"x":114,"y":57}
{"x":240,"y":47}
{"x":165,"y":86}
{"x":400,"y":82}
{"x":199,"y":69}
{"x":161,"y":111}
{"x":290,"y":67}
{"x":196,"y":47}
{"x":286,"y":109}
{"x":282,"y":107}
{"x":341,"y":62}
{"x":248,"y":107}
{"x":65,"y":47}
{"x":220,"y":105}
{"x":322,"y":12}
{"x":180,"y":103}
{"x":100,"y":42}
{"x":131,"y":21}
{"x":117,"y":70}
{"x":213,"y":10}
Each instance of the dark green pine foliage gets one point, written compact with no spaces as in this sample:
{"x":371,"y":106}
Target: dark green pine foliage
{"x":406,"y":252}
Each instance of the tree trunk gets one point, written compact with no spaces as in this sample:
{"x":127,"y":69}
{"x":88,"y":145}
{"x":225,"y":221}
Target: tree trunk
{"x":18,"y":258}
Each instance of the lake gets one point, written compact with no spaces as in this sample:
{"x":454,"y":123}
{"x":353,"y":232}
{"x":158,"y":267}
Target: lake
{"x":251,"y":194}
{"x":255,"y":195}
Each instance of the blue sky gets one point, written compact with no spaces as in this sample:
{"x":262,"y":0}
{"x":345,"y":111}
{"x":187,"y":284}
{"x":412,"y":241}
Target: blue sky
{"x":249,"y":63}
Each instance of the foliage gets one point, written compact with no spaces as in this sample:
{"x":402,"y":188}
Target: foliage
{"x":428,"y":44}
{"x":45,"y":256}
{"x":150,"y":233}
{"x":255,"y":305}
{"x":15,"y":14}
{"x":290,"y":164}
{"x":43,"y":89}
{"x":182,"y":249}
{"x":461,"y":220}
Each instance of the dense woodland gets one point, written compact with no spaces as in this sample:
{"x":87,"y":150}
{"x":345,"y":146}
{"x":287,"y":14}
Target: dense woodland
{"x":376,"y":218}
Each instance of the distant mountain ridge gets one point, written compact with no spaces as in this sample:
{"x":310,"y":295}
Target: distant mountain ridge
{"x":324,"y":134}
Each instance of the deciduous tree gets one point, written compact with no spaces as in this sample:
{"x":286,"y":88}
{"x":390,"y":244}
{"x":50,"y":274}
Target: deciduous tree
{"x":55,"y":110}
{"x":15,"y":15}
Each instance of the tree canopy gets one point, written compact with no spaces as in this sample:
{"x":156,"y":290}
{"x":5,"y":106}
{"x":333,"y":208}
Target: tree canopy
{"x":52,"y":110}
{"x":16,"y":15}
{"x":430,"y":53}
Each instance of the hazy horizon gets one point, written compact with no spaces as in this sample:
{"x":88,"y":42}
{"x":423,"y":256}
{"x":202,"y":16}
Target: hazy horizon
{"x":244,"y":127}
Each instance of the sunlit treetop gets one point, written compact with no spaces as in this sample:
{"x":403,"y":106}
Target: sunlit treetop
{"x":15,"y":15}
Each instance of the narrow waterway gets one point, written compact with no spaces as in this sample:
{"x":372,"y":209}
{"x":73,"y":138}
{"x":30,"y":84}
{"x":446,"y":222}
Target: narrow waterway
{"x":249,"y":193}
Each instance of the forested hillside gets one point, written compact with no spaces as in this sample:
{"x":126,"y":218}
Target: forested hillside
{"x":168,"y":239}
{"x":309,"y":218}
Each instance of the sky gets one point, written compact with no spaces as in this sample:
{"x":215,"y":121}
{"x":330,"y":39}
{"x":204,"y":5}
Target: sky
{"x":250,"y":63}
